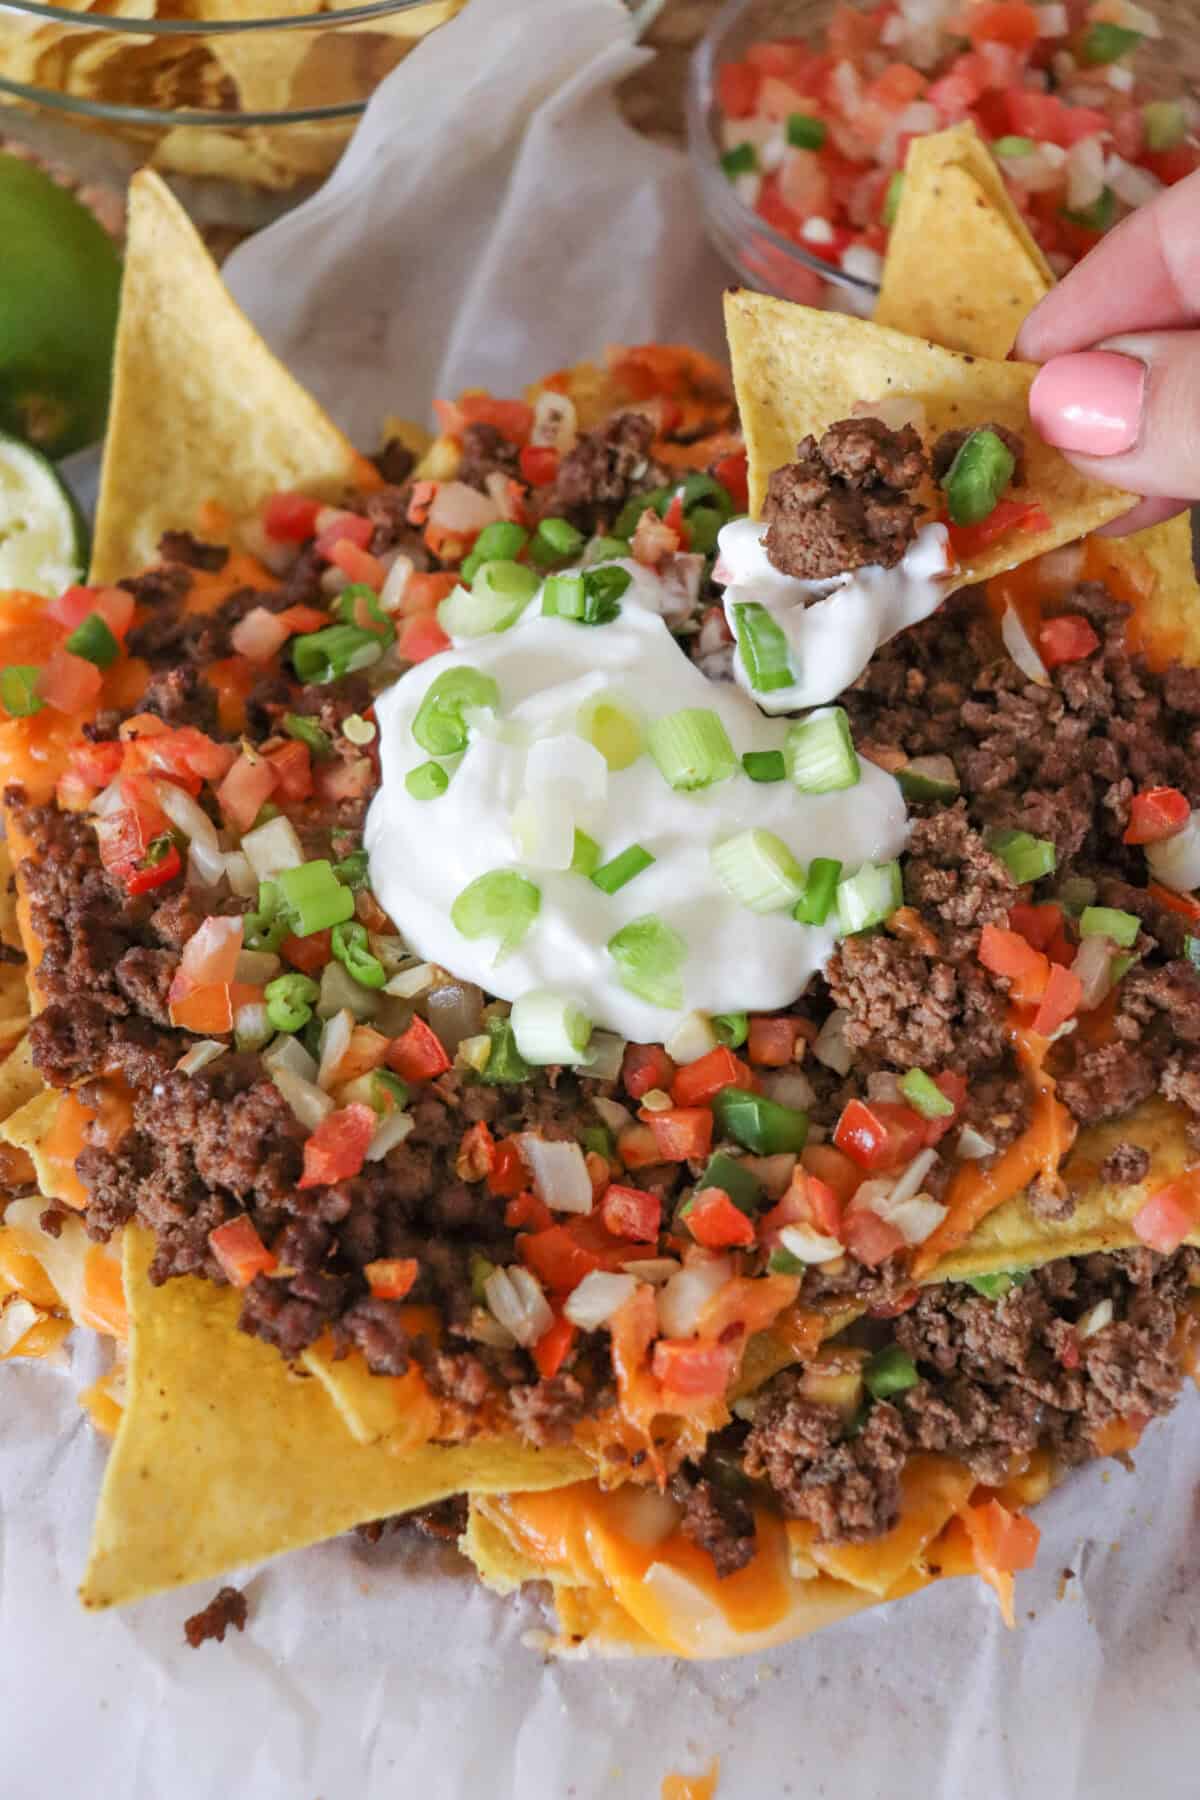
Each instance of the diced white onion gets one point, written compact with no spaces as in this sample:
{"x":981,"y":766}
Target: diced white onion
{"x":518,"y":1303}
{"x":597,"y":1298}
{"x":252,"y":1027}
{"x":1061,"y":569}
{"x":1136,"y":187}
{"x":308,"y":1103}
{"x":1120,"y":78}
{"x":656,"y":1100}
{"x":1053,"y":20}
{"x":684,"y":1297}
{"x":1093,"y":965}
{"x":1175,"y":861}
{"x":831,"y":1047}
{"x":335,"y":1041}
{"x":109,"y":800}
{"x":273,"y":847}
{"x":391,"y":1130}
{"x":916,"y":1218}
{"x":884,"y":1084}
{"x":256,"y":967}
{"x":973,"y":1146}
{"x":910,"y":1179}
{"x":411,"y":982}
{"x":789,"y":1087}
{"x":863,"y":263}
{"x":555,"y":424}
{"x":607,"y":1053}
{"x":391,"y":594}
{"x":17,"y":1317}
{"x":391,"y":950}
{"x":847,"y":88}
{"x":339,"y":992}
{"x":549,"y":1028}
{"x":461,"y":509}
{"x":872,"y":1195}
{"x":205,"y":865}
{"x":817,"y":231}
{"x":808,"y":1245}
{"x":560,"y":1175}
{"x":186,"y":814}
{"x":775,"y":1172}
{"x":614,"y":1115}
{"x":487,"y":1330}
{"x":641,"y":1515}
{"x":691,"y":1039}
{"x":1085,"y":173}
{"x":287,"y":1052}
{"x":200,"y":1055}
{"x":772,"y":151}
{"x":1020,"y":647}
{"x":654,"y":1269}
{"x":1094,"y":1320}
{"x":239,"y":873}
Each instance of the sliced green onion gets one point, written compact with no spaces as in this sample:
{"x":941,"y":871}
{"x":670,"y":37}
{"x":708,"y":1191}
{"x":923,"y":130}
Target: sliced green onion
{"x":994,"y":1287}
{"x":325,"y":656}
{"x":289,"y":1000}
{"x":820,"y":753}
{"x":759,"y":870}
{"x":352,"y":870}
{"x":929,"y":778}
{"x":977,"y":477}
{"x":1108,"y":922}
{"x":505,"y":1063}
{"x":782,"y":1262}
{"x":550,"y":1028}
{"x":741,"y":160}
{"x":924,"y":1094}
{"x":1026,"y":858}
{"x":1096,"y":217}
{"x":820,"y":889}
{"x":893,"y":194}
{"x":890,"y":1371}
{"x":357,"y":598}
{"x":307,"y":731}
{"x":498,"y":595}
{"x":1166,"y":124}
{"x":869,"y":897}
{"x":732,"y":1029}
{"x":602,"y":591}
{"x":94,"y":642}
{"x":763,"y":648}
{"x":804,"y":132}
{"x":615,"y":874}
{"x":440,"y":726}
{"x":563,"y":597}
{"x":585,"y":855}
{"x":501,"y":539}
{"x":1105,"y":43}
{"x":649,"y":954}
{"x":704,"y":528}
{"x":18,"y":690}
{"x":501,"y":905}
{"x":314,"y":897}
{"x":555,"y":540}
{"x":1013,"y":146}
{"x":349,"y":945}
{"x":605,"y":549}
{"x":733,"y":1178}
{"x":612,"y":728}
{"x":691,"y":748}
{"x":764,"y":765}
{"x":470,"y":566}
{"x":427,"y":781}
{"x":759,"y":1124}
{"x":266,"y":928}
{"x":1120,"y":966}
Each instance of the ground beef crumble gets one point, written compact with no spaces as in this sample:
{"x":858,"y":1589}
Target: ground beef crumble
{"x":225,"y":1610}
{"x":846,"y":501}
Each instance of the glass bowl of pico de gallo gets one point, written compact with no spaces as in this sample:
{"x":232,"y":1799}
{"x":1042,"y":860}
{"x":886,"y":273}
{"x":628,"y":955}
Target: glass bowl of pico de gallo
{"x":800,"y":114}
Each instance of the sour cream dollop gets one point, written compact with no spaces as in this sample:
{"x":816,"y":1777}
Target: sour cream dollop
{"x":529,"y":759}
{"x":834,"y":627}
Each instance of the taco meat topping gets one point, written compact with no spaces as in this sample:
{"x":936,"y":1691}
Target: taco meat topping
{"x":226,"y":1609}
{"x":846,"y":502}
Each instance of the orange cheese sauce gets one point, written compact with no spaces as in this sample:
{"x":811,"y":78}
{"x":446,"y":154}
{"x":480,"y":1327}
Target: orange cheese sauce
{"x":693,"y":1787}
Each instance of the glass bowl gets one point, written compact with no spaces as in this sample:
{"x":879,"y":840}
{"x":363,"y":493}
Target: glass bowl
{"x":764,"y":257}
{"x":260,"y":106}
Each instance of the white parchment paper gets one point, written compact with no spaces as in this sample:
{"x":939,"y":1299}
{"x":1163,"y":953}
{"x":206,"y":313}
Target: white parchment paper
{"x":494,"y":219}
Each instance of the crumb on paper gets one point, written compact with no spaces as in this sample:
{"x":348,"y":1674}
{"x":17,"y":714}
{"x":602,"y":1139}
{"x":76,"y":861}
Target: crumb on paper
{"x":226,"y":1608}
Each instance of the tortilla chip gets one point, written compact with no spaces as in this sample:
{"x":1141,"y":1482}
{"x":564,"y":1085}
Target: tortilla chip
{"x":225,"y":1456}
{"x":798,"y":371}
{"x":962,"y":147}
{"x":19,"y":1080}
{"x":201,"y":409}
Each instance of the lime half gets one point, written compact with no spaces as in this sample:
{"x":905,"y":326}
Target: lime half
{"x":43,"y":539}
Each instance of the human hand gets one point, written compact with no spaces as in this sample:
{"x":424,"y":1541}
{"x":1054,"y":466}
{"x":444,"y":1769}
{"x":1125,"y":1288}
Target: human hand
{"x":1119,"y":341}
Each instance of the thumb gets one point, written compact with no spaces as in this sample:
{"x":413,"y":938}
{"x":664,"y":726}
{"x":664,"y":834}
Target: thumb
{"x":1128,"y":412}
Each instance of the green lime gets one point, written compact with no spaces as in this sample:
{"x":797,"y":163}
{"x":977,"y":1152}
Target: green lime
{"x":58,"y":312}
{"x":43,"y":539}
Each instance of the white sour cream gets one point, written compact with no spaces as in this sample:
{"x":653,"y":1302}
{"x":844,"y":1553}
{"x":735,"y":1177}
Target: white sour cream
{"x":423,"y":853}
{"x":832,"y":637}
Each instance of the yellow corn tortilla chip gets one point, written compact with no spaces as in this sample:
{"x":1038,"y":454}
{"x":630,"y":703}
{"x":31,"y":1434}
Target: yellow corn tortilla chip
{"x":28,"y":1128}
{"x":798,"y":371}
{"x":19,"y":1081}
{"x":201,"y":409}
{"x":962,"y":147}
{"x":225,"y":1456}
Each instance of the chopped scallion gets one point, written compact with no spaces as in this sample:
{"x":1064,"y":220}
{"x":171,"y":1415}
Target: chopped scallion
{"x":1013,"y":146}
{"x":1098,"y":216}
{"x":759,"y":870}
{"x":440,"y":726}
{"x":820,"y":753}
{"x":352,"y":870}
{"x":500,"y":905}
{"x":499,"y":593}
{"x":765,"y":765}
{"x":289,"y":1000}
{"x":649,"y":954}
{"x":691,"y":748}
{"x":555,"y":540}
{"x":314,"y":897}
{"x":890,"y":1371}
{"x":612,"y":728}
{"x":550,"y":1028}
{"x":427,"y":781}
{"x":762,"y":647}
{"x":869,"y":897}
{"x":615,"y":874}
{"x":502,"y":538}
{"x":820,"y":888}
{"x":929,"y":778}
{"x":18,"y":690}
{"x":348,"y":942}
{"x":585,"y":855}
{"x":994,"y":1287}
{"x":741,"y":160}
{"x":804,"y":132}
{"x":893,"y":194}
{"x":325,"y":656}
{"x":307,"y":731}
{"x":732,"y":1029}
{"x":924,"y":1094}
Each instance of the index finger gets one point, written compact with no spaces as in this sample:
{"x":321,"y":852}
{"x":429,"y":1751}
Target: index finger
{"x":1144,"y":276}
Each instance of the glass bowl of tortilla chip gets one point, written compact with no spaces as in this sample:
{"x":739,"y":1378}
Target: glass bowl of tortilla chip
{"x":260,"y":96}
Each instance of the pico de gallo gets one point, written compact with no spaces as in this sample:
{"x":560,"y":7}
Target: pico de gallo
{"x":814,"y":136}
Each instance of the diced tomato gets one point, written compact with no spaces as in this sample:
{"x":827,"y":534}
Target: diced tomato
{"x":423,"y":593}
{"x":421,"y":637}
{"x":418,"y":1055}
{"x":309,"y":954}
{"x":1060,"y":1002}
{"x":392,"y":1277}
{"x":1051,"y":120}
{"x":513,"y":419}
{"x":1009,"y":22}
{"x":967,"y":541}
{"x":772,"y":1041}
{"x":70,"y":684}
{"x":240,"y":1251}
{"x":155,"y":875}
{"x":1173,"y":165}
{"x":737,"y":89}
{"x":692,"y":1370}
{"x":206,"y":1008}
{"x":682,"y":1133}
{"x":290,"y":518}
{"x":1038,"y":925}
{"x":833,"y":1167}
{"x":630,"y":1212}
{"x":563,"y":1254}
{"x":1186,"y":905}
{"x":246,"y":790}
{"x":716,"y":1222}
{"x":955,"y":92}
{"x":850,"y":33}
{"x":773,"y":209}
{"x":210,"y":955}
{"x":357,"y":563}
{"x":1006,"y":953}
{"x":869,"y":1238}
{"x":525,"y":1212}
{"x":954,"y":1087}
{"x":1168,"y":1216}
{"x":637,"y":1147}
{"x":808,"y":1201}
{"x":96,"y":764}
{"x":673,"y":520}
{"x":1066,"y":639}
{"x":508,"y":1174}
{"x":423,"y":495}
{"x":551,"y":1349}
{"x":538,"y":464}
{"x":341,"y":528}
{"x":789,"y":58}
{"x":292,"y":764}
{"x":337,"y":1148}
{"x":646,"y":1066}
{"x":879,"y":1137}
{"x":896,"y":87}
{"x":1156,"y":813}
{"x":697,"y":1083}
{"x":733,"y":474}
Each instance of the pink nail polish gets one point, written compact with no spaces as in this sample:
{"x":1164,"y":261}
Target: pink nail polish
{"x":1090,"y":403}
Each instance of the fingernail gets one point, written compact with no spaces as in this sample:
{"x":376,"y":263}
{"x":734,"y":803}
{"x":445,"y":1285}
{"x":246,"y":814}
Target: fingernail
{"x":1090,"y":403}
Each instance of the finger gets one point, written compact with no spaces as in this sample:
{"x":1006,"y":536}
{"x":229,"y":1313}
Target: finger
{"x":1127,"y":413}
{"x":1144,"y":276}
{"x":1141,"y":517}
